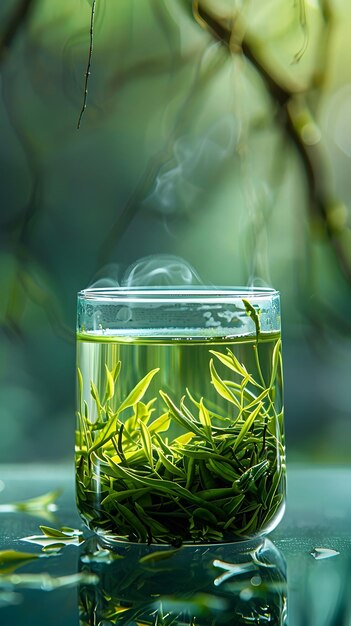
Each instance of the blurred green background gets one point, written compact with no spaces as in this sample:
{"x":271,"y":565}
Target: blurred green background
{"x":215,"y":130}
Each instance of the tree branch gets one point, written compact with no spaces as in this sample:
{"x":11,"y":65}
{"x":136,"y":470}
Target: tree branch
{"x":293,"y":116}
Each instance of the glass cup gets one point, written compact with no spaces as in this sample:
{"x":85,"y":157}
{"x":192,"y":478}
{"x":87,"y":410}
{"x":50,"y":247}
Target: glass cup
{"x":180,"y":434}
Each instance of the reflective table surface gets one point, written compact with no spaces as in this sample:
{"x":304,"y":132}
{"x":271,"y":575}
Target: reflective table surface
{"x":52,"y":574}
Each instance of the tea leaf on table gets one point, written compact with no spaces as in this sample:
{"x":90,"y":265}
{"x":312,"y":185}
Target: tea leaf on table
{"x":11,"y":560}
{"x":37,"y":504}
{"x":53,"y":537}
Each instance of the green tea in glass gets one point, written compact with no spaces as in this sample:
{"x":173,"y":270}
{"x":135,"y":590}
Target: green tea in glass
{"x":180,"y":433}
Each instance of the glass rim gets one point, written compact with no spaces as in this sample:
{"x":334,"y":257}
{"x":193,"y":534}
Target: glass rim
{"x":169,"y":293}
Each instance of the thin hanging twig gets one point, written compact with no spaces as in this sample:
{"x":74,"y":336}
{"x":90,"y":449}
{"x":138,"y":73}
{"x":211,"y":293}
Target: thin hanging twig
{"x":90,"y":56}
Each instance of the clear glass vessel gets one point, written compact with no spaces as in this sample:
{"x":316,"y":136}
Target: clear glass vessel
{"x":179,"y":414}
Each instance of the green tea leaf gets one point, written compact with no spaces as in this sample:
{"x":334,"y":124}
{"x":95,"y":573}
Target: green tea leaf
{"x":221,"y":387}
{"x":254,"y":314}
{"x":172,"y":468}
{"x":52,"y":537}
{"x":139,"y":390}
{"x":233,"y":363}
{"x":10,"y":560}
{"x":275,"y":362}
{"x":95,"y":394}
{"x":161,"y":424}
{"x":248,"y":478}
{"x":205,"y":419}
{"x":109,"y":431}
{"x":162,"y":555}
{"x":257,"y":399}
{"x":218,"y":493}
{"x":178,"y":416}
{"x":205,"y":516}
{"x":223,"y":470}
{"x":53,"y":532}
{"x":110,"y":385}
{"x":143,"y":412}
{"x":80,"y":388}
{"x":146,"y":441}
{"x":247,"y":425}
{"x":183,"y":440}
{"x":133,"y":520}
{"x":116,"y":371}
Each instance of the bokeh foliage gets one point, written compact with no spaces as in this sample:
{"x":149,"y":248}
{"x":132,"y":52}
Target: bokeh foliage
{"x":215,"y":130}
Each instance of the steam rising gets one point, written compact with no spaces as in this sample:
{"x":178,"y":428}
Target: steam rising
{"x":160,"y":270}
{"x":180,"y":181}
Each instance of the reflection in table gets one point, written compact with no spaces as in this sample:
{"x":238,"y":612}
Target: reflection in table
{"x":134,"y":584}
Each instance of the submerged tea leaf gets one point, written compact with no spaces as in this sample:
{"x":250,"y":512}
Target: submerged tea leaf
{"x":221,"y":387}
{"x":110,"y":385}
{"x":204,"y":470}
{"x":139,"y":390}
{"x":146,"y":441}
{"x":254,"y":314}
{"x":247,"y":425}
{"x":161,"y":424}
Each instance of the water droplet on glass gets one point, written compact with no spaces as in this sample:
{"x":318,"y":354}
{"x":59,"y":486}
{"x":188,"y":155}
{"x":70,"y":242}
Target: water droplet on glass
{"x":124,"y":314}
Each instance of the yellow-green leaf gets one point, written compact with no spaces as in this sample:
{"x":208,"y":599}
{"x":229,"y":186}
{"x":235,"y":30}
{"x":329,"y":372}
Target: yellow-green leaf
{"x":205,"y":419}
{"x":221,"y":387}
{"x":109,"y":431}
{"x":161,"y":424}
{"x":247,"y":425}
{"x":254,"y":314}
{"x":95,"y":394}
{"x":80,"y":388}
{"x":146,"y":441}
{"x":142,"y":412}
{"x":275,"y":361}
{"x":10,"y":560}
{"x":139,"y":390}
{"x":182,"y":440}
{"x":110,"y":385}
